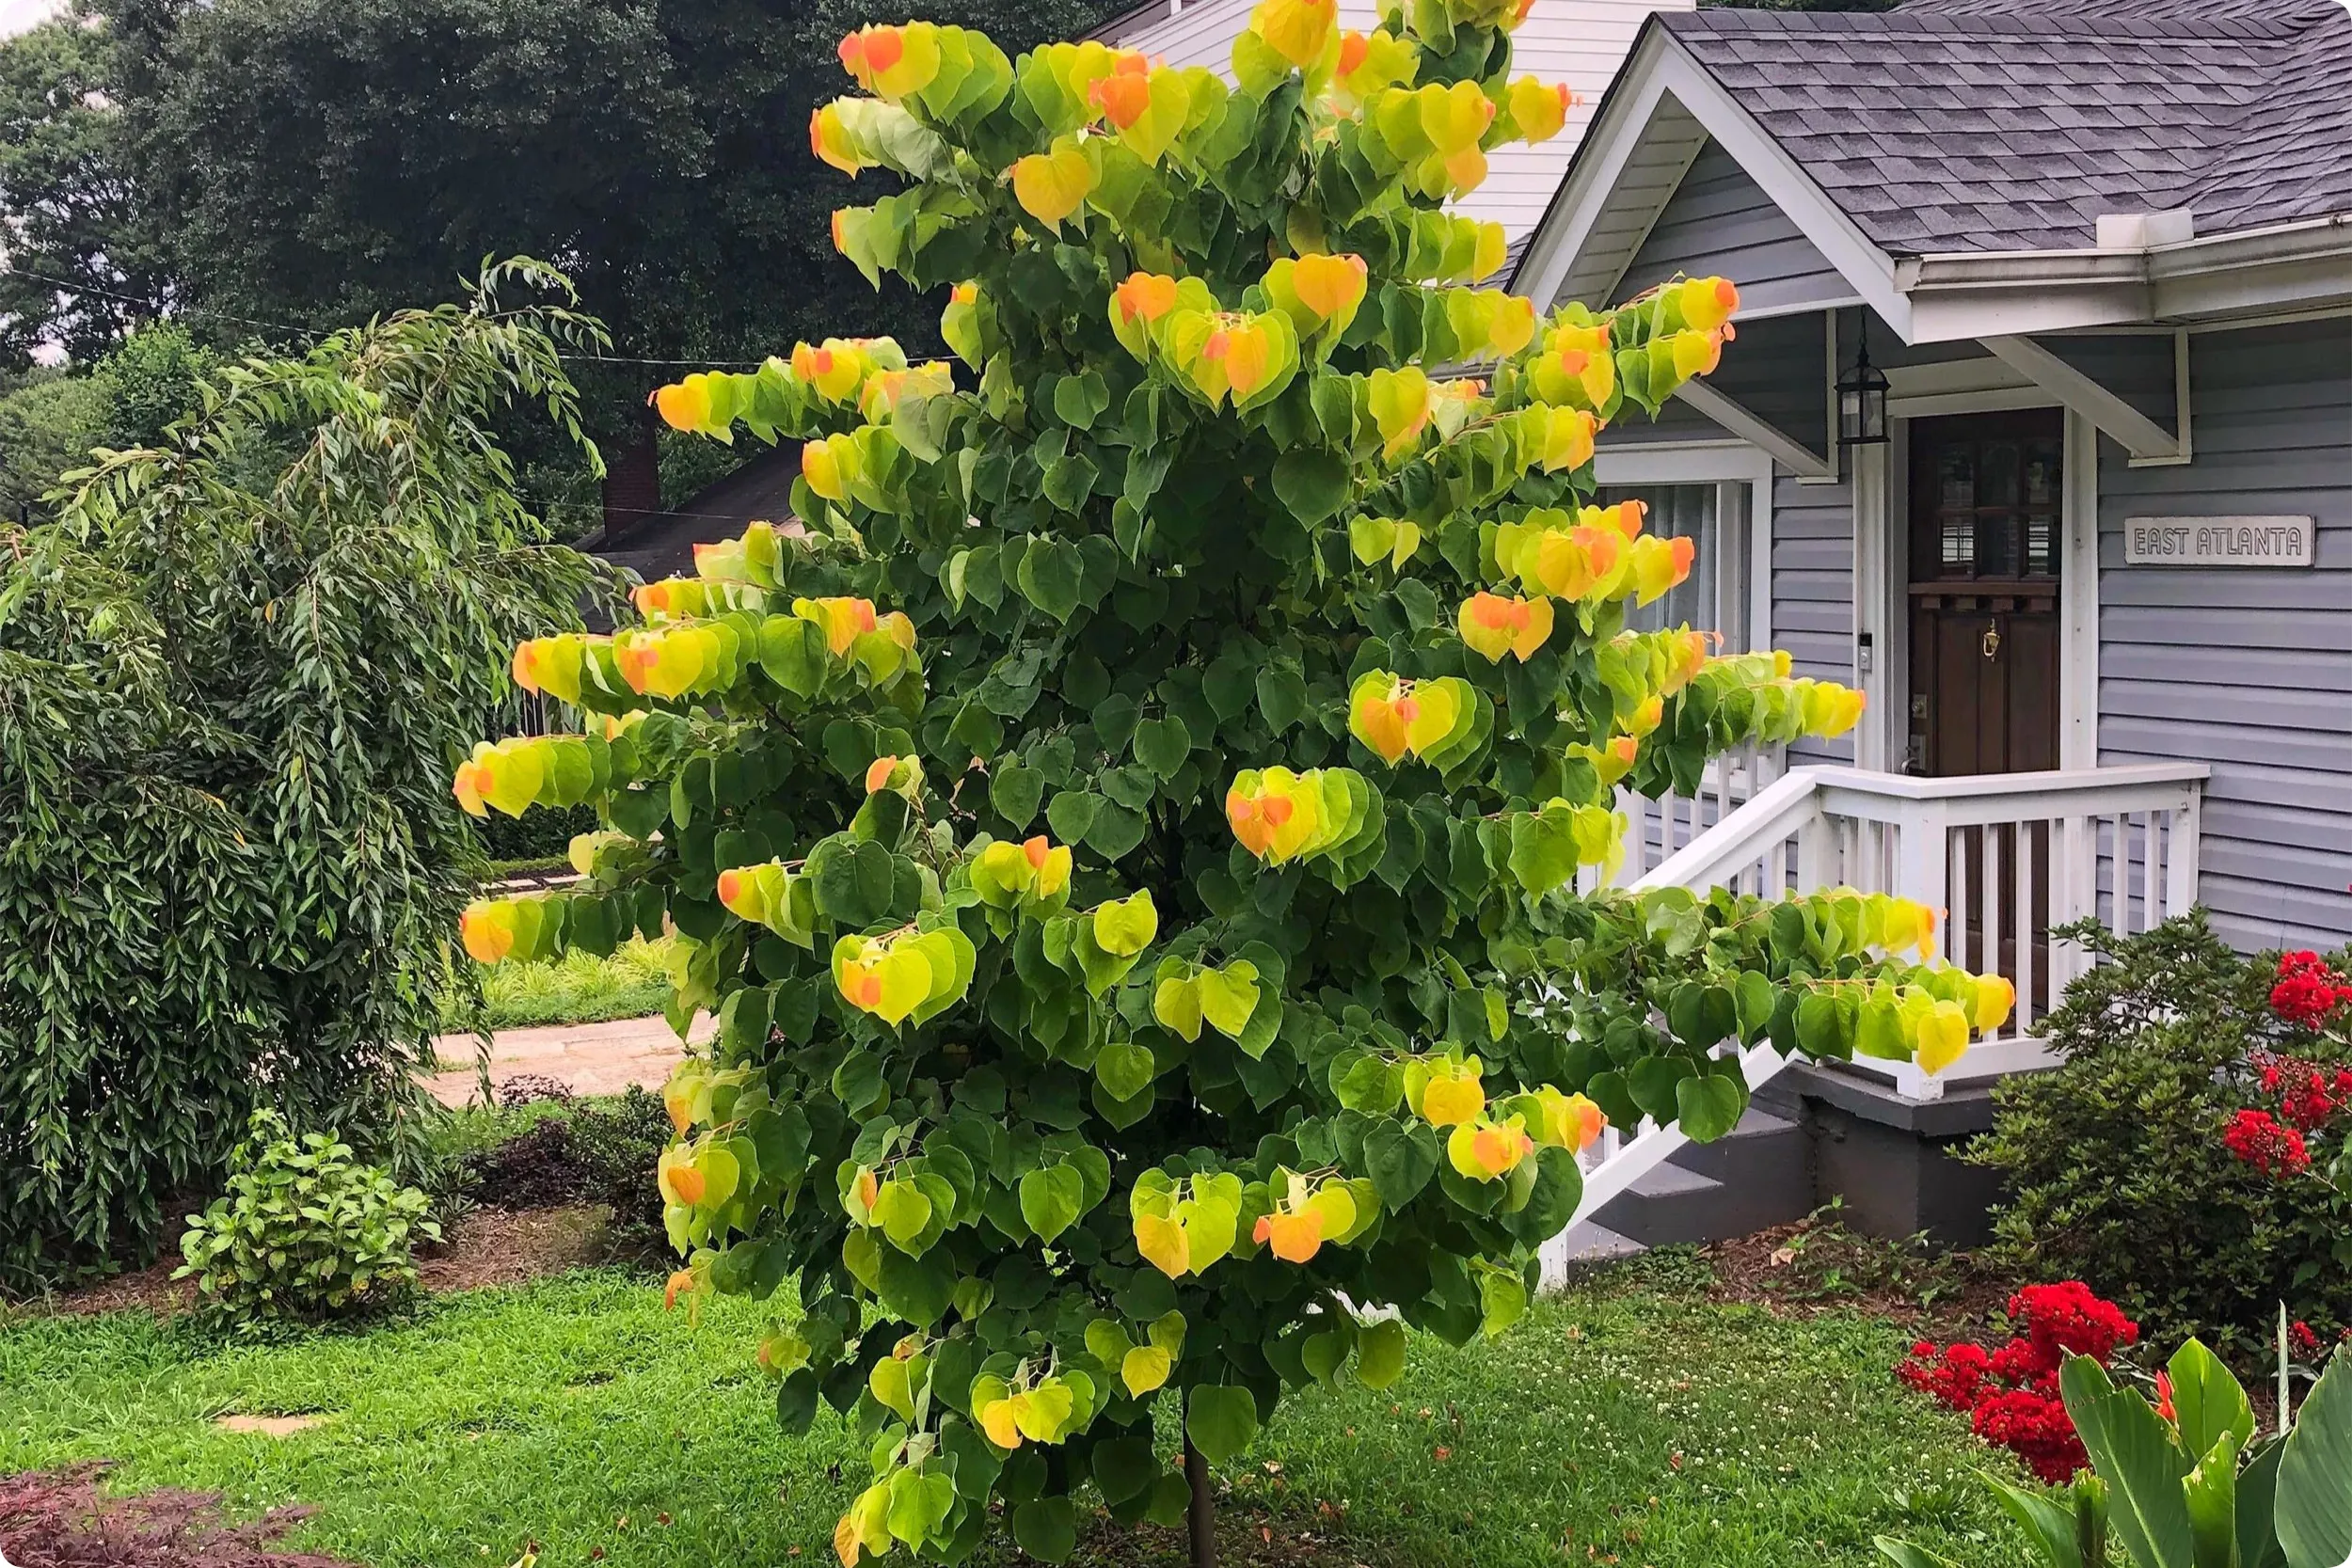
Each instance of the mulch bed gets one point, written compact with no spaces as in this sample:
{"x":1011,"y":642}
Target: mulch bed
{"x":1810,"y":1267}
{"x":486,"y":1246}
{"x":1245,"y":1538}
{"x":60,"y":1519}
{"x":514,"y":1247}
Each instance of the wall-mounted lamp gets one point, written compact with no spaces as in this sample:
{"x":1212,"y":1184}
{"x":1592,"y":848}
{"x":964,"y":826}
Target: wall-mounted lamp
{"x":1862,"y":403}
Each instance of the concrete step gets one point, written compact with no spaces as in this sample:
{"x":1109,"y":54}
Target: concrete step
{"x":1762,"y":1146}
{"x":1591,"y":1242}
{"x":1753,"y":1176}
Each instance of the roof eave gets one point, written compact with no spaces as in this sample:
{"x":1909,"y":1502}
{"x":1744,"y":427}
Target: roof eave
{"x":2286,"y":267}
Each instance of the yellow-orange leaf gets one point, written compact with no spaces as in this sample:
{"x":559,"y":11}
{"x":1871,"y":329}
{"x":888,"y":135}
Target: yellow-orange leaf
{"x":1050,"y":186}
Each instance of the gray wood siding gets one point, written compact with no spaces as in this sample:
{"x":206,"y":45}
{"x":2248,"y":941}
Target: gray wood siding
{"x":1813,"y":593}
{"x":1778,"y":370}
{"x":1719,"y":220}
{"x":2135,"y":366}
{"x":2247,"y":670}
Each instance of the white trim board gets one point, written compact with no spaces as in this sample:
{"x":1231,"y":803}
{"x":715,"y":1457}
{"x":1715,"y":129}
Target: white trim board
{"x":2146,"y":440}
{"x":1660,"y":76}
{"x":2078,"y":596}
{"x":1756,"y":429}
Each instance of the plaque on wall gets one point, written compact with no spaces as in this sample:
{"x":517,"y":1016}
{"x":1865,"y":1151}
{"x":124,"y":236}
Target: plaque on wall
{"x":2218,"y":541}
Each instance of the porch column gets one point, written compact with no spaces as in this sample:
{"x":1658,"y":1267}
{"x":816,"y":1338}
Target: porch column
{"x":1873,"y":589}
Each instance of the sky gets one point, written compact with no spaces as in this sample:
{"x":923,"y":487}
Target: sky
{"x":17,"y":15}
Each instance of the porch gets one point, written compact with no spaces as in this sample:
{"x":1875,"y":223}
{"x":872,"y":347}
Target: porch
{"x":2008,"y":858}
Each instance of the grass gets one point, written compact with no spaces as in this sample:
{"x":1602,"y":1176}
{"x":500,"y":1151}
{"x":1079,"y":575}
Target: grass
{"x":1621,"y":1424}
{"x":578,"y":988}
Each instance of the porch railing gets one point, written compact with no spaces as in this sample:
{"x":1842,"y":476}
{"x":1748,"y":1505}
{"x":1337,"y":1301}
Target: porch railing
{"x":1655,"y":830}
{"x":2006,"y":856}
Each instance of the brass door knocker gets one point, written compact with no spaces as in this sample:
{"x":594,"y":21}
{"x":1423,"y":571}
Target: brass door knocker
{"x":1993,"y":642}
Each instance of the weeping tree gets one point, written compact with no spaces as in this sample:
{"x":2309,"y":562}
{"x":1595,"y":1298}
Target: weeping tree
{"x":234,"y":677}
{"x":1139,"y":840}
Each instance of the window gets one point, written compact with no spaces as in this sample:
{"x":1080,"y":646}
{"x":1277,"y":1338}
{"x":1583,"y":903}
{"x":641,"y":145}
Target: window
{"x":1691,"y":512}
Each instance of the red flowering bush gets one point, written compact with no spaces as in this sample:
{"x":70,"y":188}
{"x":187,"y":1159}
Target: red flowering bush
{"x":2308,"y":994}
{"x":2263,"y":1141}
{"x":2012,"y":1394}
{"x":2189,"y":1158}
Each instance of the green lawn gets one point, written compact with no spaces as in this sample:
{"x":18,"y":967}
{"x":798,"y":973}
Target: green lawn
{"x":1617,"y":1424}
{"x":578,"y":988}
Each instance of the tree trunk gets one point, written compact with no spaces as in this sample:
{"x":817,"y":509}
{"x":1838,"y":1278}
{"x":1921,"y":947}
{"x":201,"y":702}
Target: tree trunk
{"x":1201,"y":1513}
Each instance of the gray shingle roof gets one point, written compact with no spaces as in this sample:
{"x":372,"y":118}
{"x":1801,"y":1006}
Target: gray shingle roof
{"x":2013,"y":124}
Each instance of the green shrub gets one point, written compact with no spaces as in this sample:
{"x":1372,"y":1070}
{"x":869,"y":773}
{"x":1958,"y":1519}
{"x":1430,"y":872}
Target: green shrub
{"x":228,"y":708}
{"x":2116,"y":1159}
{"x":631,"y":981}
{"x":591,"y":1152}
{"x":306,"y":1231}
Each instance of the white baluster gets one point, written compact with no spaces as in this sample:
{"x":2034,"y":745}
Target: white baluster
{"x":1956,"y":932}
{"x":1992,"y":896}
{"x":2024,"y":1016}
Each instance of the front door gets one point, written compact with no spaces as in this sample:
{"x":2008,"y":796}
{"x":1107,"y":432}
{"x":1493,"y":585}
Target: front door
{"x":1987,"y":531}
{"x":1986,"y":534}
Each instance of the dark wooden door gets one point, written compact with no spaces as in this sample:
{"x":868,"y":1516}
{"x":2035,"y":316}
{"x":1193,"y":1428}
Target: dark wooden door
{"x":1987,"y":536}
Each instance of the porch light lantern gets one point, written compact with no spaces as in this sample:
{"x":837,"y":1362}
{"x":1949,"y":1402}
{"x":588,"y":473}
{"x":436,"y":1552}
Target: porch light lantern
{"x":1862,"y":402}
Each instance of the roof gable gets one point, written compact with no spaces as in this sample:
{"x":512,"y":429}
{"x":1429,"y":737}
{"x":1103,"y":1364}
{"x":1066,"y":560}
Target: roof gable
{"x":1719,"y":219}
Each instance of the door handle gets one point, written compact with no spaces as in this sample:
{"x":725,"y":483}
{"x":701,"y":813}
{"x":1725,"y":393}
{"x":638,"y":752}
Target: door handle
{"x":1993,"y":641}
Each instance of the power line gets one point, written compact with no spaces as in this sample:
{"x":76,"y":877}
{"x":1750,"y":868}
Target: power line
{"x":312,"y":333}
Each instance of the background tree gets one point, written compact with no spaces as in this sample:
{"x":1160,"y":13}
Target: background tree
{"x":52,"y":421}
{"x":316,"y":162}
{"x":70,"y":206}
{"x":1131,"y":843}
{"x":229,"y":700}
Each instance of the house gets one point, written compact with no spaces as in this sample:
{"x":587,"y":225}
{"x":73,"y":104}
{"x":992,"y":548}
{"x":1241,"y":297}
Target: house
{"x":2037,"y":428}
{"x":1579,"y":42}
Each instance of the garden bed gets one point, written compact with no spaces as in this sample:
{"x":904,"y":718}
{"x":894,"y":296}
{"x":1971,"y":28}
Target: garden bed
{"x":484,"y":1247}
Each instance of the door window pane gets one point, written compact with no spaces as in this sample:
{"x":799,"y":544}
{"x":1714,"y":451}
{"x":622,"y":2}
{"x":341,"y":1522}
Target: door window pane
{"x":1986,"y":499}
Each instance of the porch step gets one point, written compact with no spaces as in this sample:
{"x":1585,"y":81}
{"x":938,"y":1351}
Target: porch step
{"x":1753,"y":1176}
{"x":1589,"y":1242}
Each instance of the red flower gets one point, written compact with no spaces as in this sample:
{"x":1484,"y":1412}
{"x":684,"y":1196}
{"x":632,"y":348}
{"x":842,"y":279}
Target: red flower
{"x":2311,"y":1103}
{"x":2258,"y":1138}
{"x":1954,"y":1374}
{"x":2306,"y":1000}
{"x":2012,"y":1394}
{"x":2164,"y":1397}
{"x":2305,"y":1341}
{"x":2068,"y":1317}
{"x":2037,"y":1428}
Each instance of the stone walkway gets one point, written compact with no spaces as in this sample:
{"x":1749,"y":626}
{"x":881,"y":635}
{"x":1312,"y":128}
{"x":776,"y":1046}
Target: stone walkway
{"x":586,"y":1058}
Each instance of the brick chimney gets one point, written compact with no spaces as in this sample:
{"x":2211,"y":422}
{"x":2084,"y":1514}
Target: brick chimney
{"x":632,"y":484}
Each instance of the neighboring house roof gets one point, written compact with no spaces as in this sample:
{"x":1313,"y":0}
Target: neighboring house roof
{"x":758,"y":491}
{"x":1955,"y":125}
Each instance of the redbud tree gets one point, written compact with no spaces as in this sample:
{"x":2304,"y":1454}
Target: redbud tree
{"x":1131,"y":835}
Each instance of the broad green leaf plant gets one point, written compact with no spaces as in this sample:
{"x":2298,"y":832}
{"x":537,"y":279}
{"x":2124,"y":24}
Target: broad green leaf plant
{"x":2189,"y":1481}
{"x":1130,"y":832}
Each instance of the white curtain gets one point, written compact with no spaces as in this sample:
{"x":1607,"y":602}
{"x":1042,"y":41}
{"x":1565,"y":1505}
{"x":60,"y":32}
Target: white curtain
{"x":1679,"y":511}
